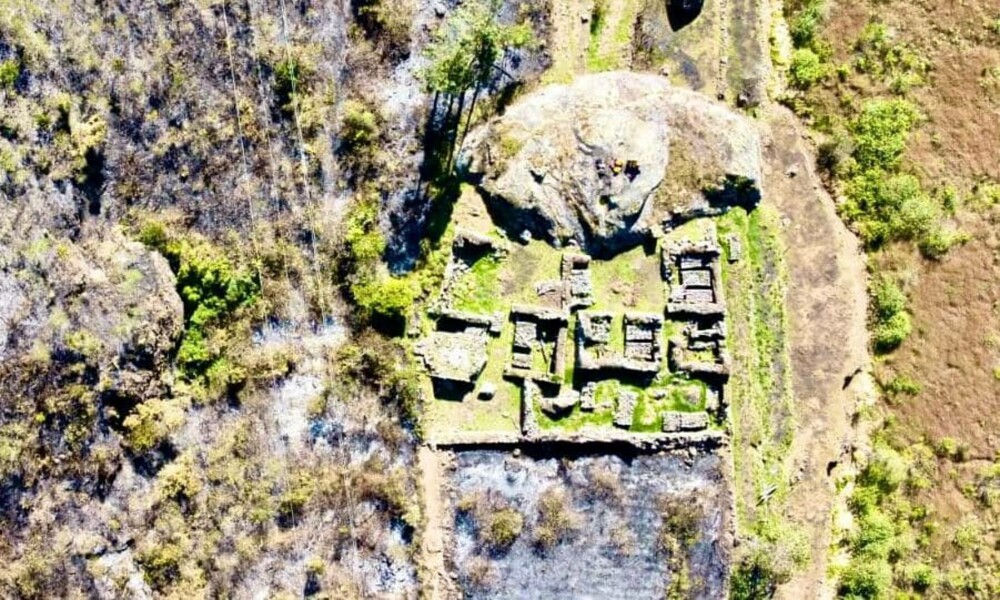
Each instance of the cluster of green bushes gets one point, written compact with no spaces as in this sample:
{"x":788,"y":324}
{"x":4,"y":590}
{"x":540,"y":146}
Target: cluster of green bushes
{"x":883,"y":203}
{"x":886,"y":532}
{"x":809,"y":60}
{"x":212,"y":290}
{"x":890,"y":319}
{"x":883,"y":58}
{"x":375,"y":293}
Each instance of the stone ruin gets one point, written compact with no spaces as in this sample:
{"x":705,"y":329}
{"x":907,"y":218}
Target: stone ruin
{"x":735,"y":248}
{"x":674,"y":421}
{"x":467,"y":247}
{"x":456,"y":351}
{"x":578,"y":292}
{"x":625,"y":408}
{"x":643,"y":337}
{"x":534,"y":329}
{"x":691,"y":269}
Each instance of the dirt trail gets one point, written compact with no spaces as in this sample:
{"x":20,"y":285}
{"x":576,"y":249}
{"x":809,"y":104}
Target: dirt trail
{"x":827,"y":308}
{"x":436,"y":582}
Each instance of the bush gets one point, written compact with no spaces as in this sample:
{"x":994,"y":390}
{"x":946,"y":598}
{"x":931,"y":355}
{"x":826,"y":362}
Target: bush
{"x":880,"y":132}
{"x":887,"y":298}
{"x":865,"y":579}
{"x":903,"y":384}
{"x":807,"y":69}
{"x":359,"y":130}
{"x":939,"y":241}
{"x":151,"y":423}
{"x":890,"y":321}
{"x":921,"y":577}
{"x":755,"y":577}
{"x":10,"y":70}
{"x":386,"y":21}
{"x":387,"y":296}
{"x":210,"y":286}
{"x":888,"y":207}
{"x":874,"y":535}
{"x":886,"y":470}
{"x":503,"y":528}
{"x":889,"y":334}
{"x":161,"y":564}
{"x":556,"y":518}
{"x":804,"y":25}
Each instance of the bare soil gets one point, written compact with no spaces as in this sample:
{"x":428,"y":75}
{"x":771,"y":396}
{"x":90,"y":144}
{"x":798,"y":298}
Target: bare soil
{"x":436,"y":584}
{"x":826,"y":306}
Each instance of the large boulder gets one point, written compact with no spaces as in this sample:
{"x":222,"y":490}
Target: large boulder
{"x":600,"y":160}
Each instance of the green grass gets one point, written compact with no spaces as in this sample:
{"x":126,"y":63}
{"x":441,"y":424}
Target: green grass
{"x":633,"y":273}
{"x":760,"y":387}
{"x":601,"y":57}
{"x":478,"y":290}
{"x":648,"y":413}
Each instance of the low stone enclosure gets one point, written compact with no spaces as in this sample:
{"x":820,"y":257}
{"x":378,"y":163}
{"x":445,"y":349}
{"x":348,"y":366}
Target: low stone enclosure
{"x":584,"y":370}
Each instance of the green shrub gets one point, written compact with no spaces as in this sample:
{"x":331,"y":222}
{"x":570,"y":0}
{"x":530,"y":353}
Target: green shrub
{"x":874,"y":535}
{"x":880,"y":132}
{"x":161,"y":564}
{"x":211,"y":288}
{"x":865,"y":579}
{"x":887,"y":298}
{"x":903,"y":384}
{"x":939,"y":241}
{"x":890,"y":321}
{"x":387,"y":296}
{"x":885,"y":471}
{"x":755,"y":578}
{"x":806,"y":69}
{"x":597,"y":16}
{"x":951,"y":449}
{"x":10,"y":70}
{"x":287,"y":81}
{"x":921,"y":576}
{"x":503,"y":529}
{"x":804,"y":25}
{"x":151,"y":422}
{"x":359,"y":129}
{"x":889,"y":334}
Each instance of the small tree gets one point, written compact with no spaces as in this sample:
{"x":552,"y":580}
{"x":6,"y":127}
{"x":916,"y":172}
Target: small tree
{"x":466,"y":54}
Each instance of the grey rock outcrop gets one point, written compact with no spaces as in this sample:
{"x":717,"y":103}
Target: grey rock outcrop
{"x":582,"y":161}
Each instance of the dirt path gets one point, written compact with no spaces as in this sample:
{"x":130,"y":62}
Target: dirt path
{"x":827,"y":309}
{"x":436,"y":584}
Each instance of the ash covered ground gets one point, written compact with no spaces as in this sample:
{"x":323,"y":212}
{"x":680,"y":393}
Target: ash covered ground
{"x":627,"y":527}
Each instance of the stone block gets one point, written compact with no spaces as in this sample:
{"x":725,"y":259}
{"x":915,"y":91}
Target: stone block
{"x":681,"y":421}
{"x":696,"y":278}
{"x":525,"y":334}
{"x":624,"y":412}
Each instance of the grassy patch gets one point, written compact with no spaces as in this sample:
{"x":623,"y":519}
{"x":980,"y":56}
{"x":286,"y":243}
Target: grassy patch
{"x":478,"y":290}
{"x":611,"y":34}
{"x":761,"y":396}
